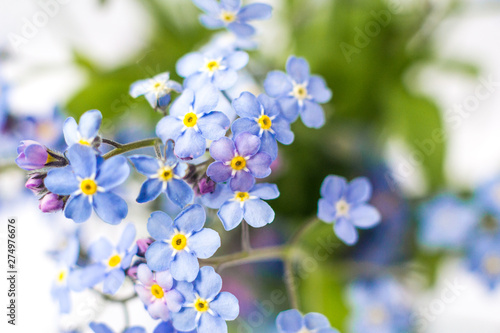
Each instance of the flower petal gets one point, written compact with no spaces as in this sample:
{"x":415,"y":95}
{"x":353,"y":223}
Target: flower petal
{"x":82,"y":160}
{"x":146,"y":165}
{"x":206,"y":99}
{"x":260,"y":164}
{"x":247,"y":144}
{"x":159,"y":256}
{"x":314,"y":321}
{"x":182,"y":104}
{"x":242,"y":125}
{"x":219,"y":172}
{"x":269,"y":145}
{"x":230,"y":214}
{"x":185,"y":320}
{"x":242,"y":181}
{"x":258,"y":213}
{"x":208,"y":283}
{"x":222,"y":149}
{"x":109,"y":207}
{"x":241,"y":30}
{"x":237,"y":60}
{"x":169,"y":128}
{"x":189,"y":64}
{"x":113,"y":281}
{"x":150,"y":190}
{"x":70,"y":130}
{"x":277,"y":84}
{"x":359,"y":190}
{"x":211,"y":22}
{"x":247,"y":105}
{"x":226,"y":305}
{"x":318,"y":90}
{"x":289,"y":321}
{"x":298,"y":69}
{"x":160,"y":226}
{"x":78,"y":208}
{"x":190,"y":219}
{"x":61,"y":181}
{"x":208,"y":6}
{"x":128,"y":237}
{"x":281,"y":127}
{"x":190,"y":145}
{"x":209,"y":323}
{"x":100,"y":250}
{"x":346,"y":231}
{"x":224,"y":79}
{"x":145,"y":275}
{"x":180,"y":192}
{"x":312,"y":115}
{"x":164,"y":280}
{"x":113,"y":172}
{"x":326,"y":211}
{"x":204,"y":243}
{"x":365,"y":216}
{"x":289,"y":108}
{"x":184,"y":266}
{"x":333,"y":188}
{"x":213,"y":125}
{"x":89,"y":124}
{"x":265,"y":191}
{"x":255,"y":11}
{"x":174,"y":300}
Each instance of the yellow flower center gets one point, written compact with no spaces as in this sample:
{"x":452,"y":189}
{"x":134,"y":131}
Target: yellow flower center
{"x":190,"y":119}
{"x":342,"y":207}
{"x":265,"y":122}
{"x":201,"y":305}
{"x":114,"y":261}
{"x":300,"y":91}
{"x":213,"y":65}
{"x":61,"y":276}
{"x":241,"y":196}
{"x":88,"y":186}
{"x":157,"y":291}
{"x":179,"y":242}
{"x":227,"y":17}
{"x":238,"y":163}
{"x":84,"y":142}
{"x":166,"y":173}
{"x":491,"y":265}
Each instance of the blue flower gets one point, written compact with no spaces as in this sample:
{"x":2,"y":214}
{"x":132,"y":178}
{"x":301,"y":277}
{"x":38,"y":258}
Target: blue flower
{"x":110,"y":262}
{"x":299,"y":93}
{"x":291,"y":321}
{"x":103,"y":328}
{"x":88,"y":183}
{"x":206,"y":309}
{"x":164,"y":175}
{"x":157,"y":90}
{"x":446,"y":222}
{"x":487,"y":196}
{"x":234,"y":206}
{"x":380,"y":305}
{"x":84,"y":133}
{"x":346,"y":205}
{"x":168,"y":327}
{"x":65,"y":282}
{"x":213,"y":67}
{"x":231,"y":15}
{"x":180,"y":243}
{"x":262,"y":117}
{"x":239,"y":161}
{"x":3,"y":103}
{"x":483,"y":258}
{"x":192,"y":122}
{"x":157,"y":292}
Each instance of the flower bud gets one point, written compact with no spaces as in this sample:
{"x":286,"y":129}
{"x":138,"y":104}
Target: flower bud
{"x":206,"y":185}
{"x":143,"y":245}
{"x":35,"y":183}
{"x":32,"y":155}
{"x":51,"y":203}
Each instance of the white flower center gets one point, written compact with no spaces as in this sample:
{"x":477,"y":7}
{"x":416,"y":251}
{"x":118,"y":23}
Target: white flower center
{"x":342,"y":207}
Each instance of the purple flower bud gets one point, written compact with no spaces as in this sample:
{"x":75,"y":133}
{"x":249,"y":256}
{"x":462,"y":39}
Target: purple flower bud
{"x":143,"y":245}
{"x":32,"y":155}
{"x":35,"y":183}
{"x":206,"y":185}
{"x":132,"y":272}
{"x":51,"y":203}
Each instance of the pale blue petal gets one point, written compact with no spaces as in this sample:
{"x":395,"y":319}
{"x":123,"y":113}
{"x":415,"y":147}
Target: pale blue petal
{"x":318,"y":90}
{"x":224,"y":79}
{"x":241,"y":125}
{"x":226,"y":305}
{"x":298,"y":69}
{"x":210,"y":324}
{"x":208,"y":283}
{"x":326,"y":211}
{"x":182,"y":104}
{"x":159,"y":256}
{"x":364,"y":216}
{"x":282,"y":130}
{"x":258,"y":213}
{"x":242,"y":181}
{"x":113,"y":172}
{"x":242,"y":30}
{"x":89,"y":123}
{"x":150,"y":190}
{"x":255,"y":11}
{"x":333,"y":188}
{"x":231,"y":5}
{"x":160,"y":226}
{"x":128,"y":237}
{"x":230,"y":214}
{"x":312,"y":115}
{"x":185,"y":266}
{"x":259,"y":165}
{"x":277,"y":84}
{"x":113,"y":281}
{"x":247,"y":144}
{"x":100,"y":328}
{"x":139,"y":88}
{"x":271,"y":107}
{"x":213,"y":125}
{"x":78,"y":208}
{"x":110,"y":207}
{"x":197,"y":81}
{"x":70,"y":130}
{"x":268,"y":145}
{"x":82,"y":160}
{"x":146,"y":165}
{"x":180,"y":192}
{"x":237,"y":60}
{"x":314,"y":321}
{"x":206,"y":99}
{"x":190,"y":219}
{"x":289,"y":321}
{"x":345,"y":231}
{"x":61,"y":181}
{"x":100,"y":250}
{"x":169,"y":128}
{"x":359,"y":190}
{"x":190,"y":145}
{"x":265,"y":191}
{"x":247,"y":105}
{"x":189,"y":64}
{"x":289,"y":108}
{"x":211,"y":22}
{"x":208,"y":6}
{"x":185,"y":320}
{"x":204,"y":243}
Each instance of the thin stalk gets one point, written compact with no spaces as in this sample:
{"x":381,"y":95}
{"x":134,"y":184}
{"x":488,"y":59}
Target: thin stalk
{"x":291,"y":288}
{"x":131,"y":146}
{"x":227,"y":96}
{"x":126,"y":315}
{"x":111,"y":143}
{"x":245,"y":237}
{"x":242,"y":258}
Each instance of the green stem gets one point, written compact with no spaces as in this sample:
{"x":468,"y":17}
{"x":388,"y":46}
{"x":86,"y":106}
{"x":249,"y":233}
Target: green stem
{"x":248,"y":257}
{"x":245,"y":237}
{"x":291,"y":288}
{"x":111,"y":143}
{"x":131,"y":146}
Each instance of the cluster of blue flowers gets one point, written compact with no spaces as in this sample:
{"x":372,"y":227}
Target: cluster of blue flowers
{"x":201,"y":165}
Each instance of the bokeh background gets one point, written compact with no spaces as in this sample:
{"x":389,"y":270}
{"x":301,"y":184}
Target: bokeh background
{"x":405,"y":112}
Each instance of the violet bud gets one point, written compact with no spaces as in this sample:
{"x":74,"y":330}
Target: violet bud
{"x":143,"y":245}
{"x":32,"y":155}
{"x":206,"y":185}
{"x":51,"y":203}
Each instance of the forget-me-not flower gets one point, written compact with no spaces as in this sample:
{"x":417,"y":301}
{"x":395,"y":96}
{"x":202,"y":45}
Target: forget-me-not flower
{"x":205,"y":308}
{"x":261,"y":116}
{"x":234,"y":206}
{"x":346,"y":205}
{"x":110,"y":262}
{"x":292,"y":321}
{"x":156,"y":90}
{"x":483,"y":257}
{"x":103,"y":328}
{"x":168,"y":327}
{"x":212,"y":67}
{"x":299,"y":93}
{"x":239,"y":161}
{"x":156,"y":290}
{"x":179,"y":243}
{"x":89,"y":185}
{"x":164,"y":175}
{"x":85,"y":132}
{"x":192,"y":122}
{"x":230,"y":14}
{"x":65,"y":282}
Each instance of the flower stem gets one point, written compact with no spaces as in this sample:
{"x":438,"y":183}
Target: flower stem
{"x":245,"y":237}
{"x":304,"y":228}
{"x":247,"y":257}
{"x":131,"y":146}
{"x":291,"y":288}
{"x":112,"y":143}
